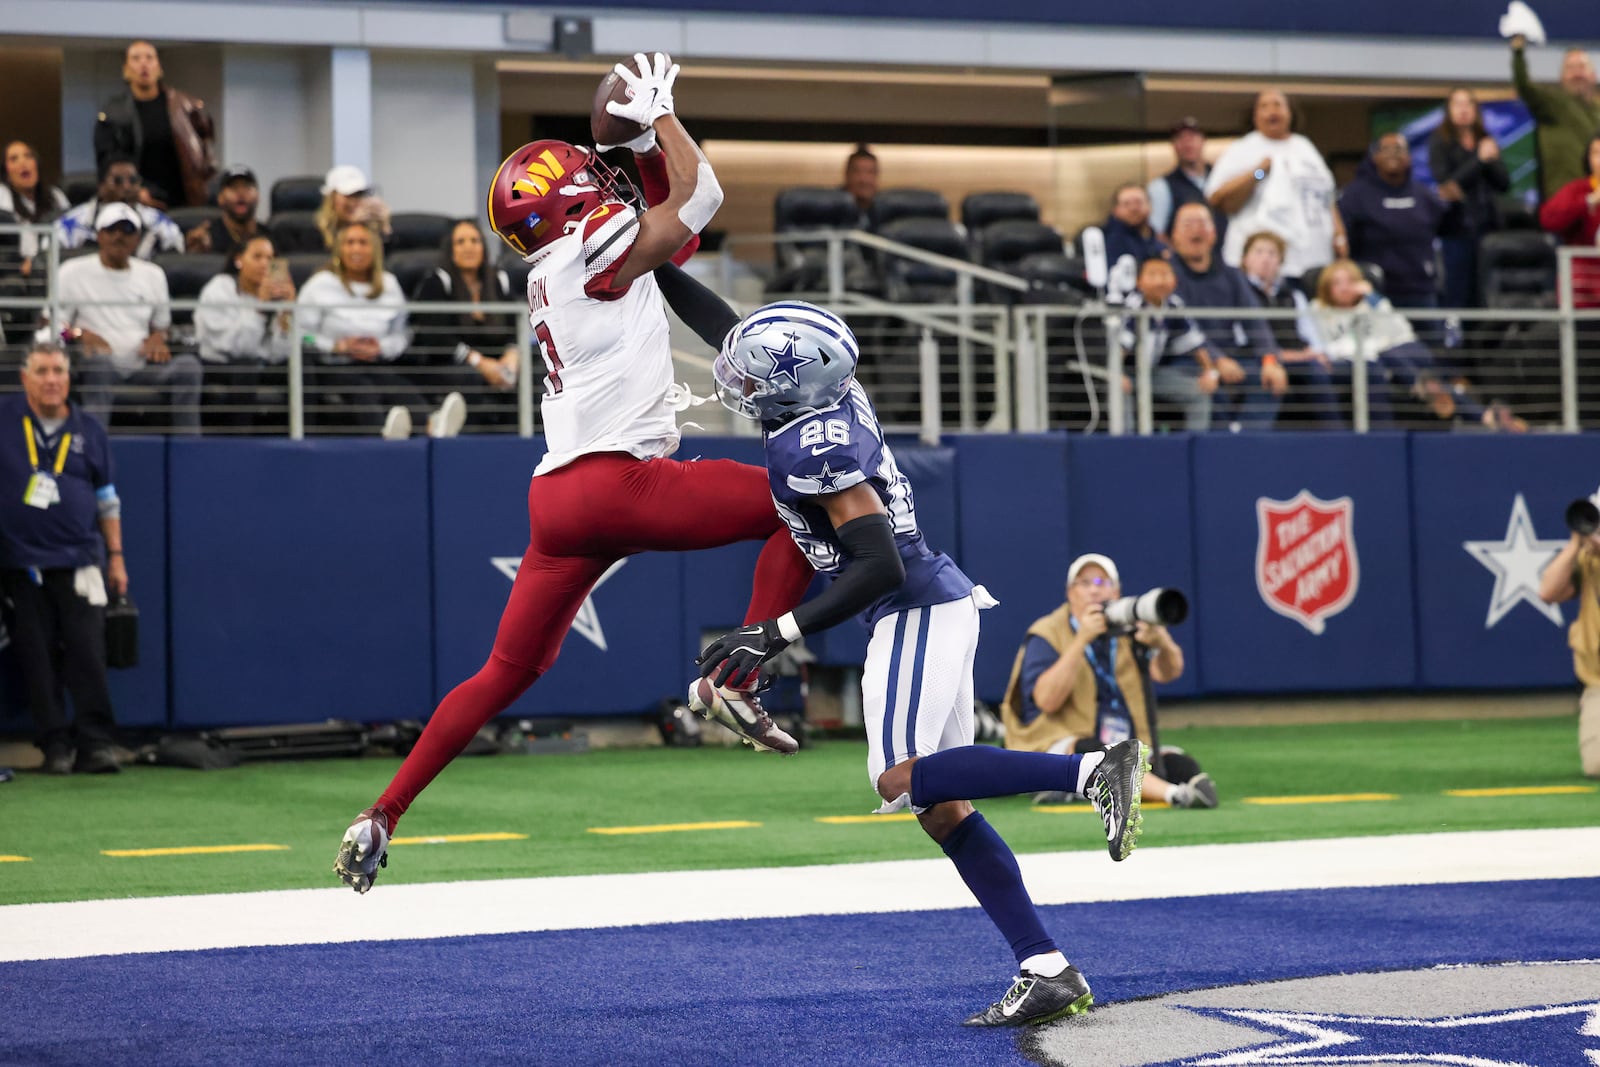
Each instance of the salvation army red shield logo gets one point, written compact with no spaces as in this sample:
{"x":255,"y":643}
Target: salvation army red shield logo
{"x":1306,"y":557}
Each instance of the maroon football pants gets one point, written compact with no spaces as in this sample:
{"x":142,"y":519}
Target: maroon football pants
{"x":583,"y":518}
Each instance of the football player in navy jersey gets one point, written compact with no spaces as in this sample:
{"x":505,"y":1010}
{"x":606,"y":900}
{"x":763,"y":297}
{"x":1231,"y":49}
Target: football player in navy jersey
{"x":791,"y":367}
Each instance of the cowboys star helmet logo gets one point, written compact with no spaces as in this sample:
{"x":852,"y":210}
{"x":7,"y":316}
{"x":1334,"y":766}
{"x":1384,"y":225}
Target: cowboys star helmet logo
{"x":786,"y":362}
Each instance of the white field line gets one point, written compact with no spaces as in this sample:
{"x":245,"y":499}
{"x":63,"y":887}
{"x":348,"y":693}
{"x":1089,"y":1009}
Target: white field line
{"x":455,"y":909}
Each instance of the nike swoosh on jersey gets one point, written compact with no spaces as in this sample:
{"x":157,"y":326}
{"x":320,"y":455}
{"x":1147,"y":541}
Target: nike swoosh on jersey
{"x":824,"y":448}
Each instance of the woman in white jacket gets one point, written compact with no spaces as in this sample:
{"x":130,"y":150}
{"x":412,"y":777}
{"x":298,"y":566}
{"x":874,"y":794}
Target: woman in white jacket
{"x":238,"y":339}
{"x":352,"y":315}
{"x":1355,"y":322}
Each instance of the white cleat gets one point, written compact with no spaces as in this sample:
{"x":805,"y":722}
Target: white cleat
{"x":363,"y":851}
{"x":742,"y":713}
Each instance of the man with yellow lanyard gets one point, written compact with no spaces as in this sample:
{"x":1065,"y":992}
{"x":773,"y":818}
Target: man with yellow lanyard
{"x":57,"y":506}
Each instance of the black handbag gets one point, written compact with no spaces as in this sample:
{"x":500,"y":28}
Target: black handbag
{"x":122,"y":633}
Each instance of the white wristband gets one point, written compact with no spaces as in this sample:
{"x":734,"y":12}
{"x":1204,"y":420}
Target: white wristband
{"x":788,"y":628}
{"x":704,"y":201}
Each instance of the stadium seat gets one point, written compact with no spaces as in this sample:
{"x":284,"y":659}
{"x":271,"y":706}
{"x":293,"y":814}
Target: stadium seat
{"x":302,"y":265}
{"x":79,"y":186}
{"x":980,"y":209}
{"x":187,"y":273}
{"x":905,"y":203}
{"x":410,"y":266}
{"x":910,"y":281}
{"x":1053,"y":278}
{"x":1515,"y":214}
{"x":412,"y":230}
{"x":516,"y":273}
{"x":188,"y":218}
{"x":1517,"y":268}
{"x":1002,"y":245}
{"x":295,"y":231}
{"x":1370,"y":271}
{"x":296,"y":194}
{"x":803,"y":267}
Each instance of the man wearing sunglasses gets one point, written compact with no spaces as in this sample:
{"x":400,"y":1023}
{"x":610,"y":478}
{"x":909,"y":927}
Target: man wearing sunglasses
{"x":120,"y":184}
{"x":1077,"y":686}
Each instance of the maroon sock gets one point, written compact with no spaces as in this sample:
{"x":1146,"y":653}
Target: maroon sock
{"x":459,"y":717}
{"x":782,"y":576}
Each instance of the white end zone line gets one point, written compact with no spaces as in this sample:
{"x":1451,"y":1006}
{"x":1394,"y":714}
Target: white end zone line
{"x":454,"y":909}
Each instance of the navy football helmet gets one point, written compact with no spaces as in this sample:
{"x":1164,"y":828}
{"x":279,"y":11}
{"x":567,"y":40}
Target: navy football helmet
{"x":784,"y":360}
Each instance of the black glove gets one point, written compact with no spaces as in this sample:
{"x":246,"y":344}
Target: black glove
{"x":737,"y":657}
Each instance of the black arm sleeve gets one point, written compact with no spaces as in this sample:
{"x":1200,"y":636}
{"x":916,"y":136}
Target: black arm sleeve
{"x":703,"y":311}
{"x":875,"y":569}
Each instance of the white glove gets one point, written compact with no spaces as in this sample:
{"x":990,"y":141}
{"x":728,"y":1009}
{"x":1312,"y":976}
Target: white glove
{"x":1520,"y":19}
{"x":640,"y":145}
{"x":652,"y":90}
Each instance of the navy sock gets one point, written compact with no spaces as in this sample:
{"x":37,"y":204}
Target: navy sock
{"x":991,"y":872}
{"x":976,"y":771}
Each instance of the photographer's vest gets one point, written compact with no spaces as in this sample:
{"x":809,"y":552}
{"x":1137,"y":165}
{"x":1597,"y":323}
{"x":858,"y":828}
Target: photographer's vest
{"x":1584,"y":635}
{"x":1077,"y":717}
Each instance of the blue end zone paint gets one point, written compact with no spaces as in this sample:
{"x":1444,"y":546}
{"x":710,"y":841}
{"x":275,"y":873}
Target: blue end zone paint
{"x":845,"y":990}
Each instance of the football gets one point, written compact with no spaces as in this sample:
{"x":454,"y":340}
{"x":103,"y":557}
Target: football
{"x":605,"y":127}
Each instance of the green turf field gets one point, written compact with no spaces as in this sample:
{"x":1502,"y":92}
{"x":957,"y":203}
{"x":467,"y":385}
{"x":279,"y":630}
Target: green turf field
{"x":61,"y":825}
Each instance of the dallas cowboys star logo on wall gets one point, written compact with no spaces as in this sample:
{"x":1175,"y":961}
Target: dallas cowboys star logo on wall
{"x":1516,"y":563}
{"x":786,"y":361}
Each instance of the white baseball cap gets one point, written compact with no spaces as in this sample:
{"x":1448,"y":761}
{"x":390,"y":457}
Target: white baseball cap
{"x":346,"y":179}
{"x":112,"y":213}
{"x":1095,"y":559}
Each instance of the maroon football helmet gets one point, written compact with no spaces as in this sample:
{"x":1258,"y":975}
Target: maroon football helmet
{"x":543,"y":187}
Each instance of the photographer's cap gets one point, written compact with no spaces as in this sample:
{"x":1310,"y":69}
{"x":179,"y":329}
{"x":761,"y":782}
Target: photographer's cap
{"x":1095,"y":558}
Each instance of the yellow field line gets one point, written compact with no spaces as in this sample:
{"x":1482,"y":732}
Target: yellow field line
{"x":16,"y":859}
{"x":1331,"y":798}
{"x":192,"y":850}
{"x":851,"y":820}
{"x":1523,"y":791}
{"x":673,"y":827}
{"x":457,"y":839}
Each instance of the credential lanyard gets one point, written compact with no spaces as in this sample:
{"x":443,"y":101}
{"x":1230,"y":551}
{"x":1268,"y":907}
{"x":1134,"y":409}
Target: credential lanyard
{"x":33,"y":448}
{"x":1106,"y":676}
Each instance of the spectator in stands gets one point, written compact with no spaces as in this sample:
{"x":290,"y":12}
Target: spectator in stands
{"x":124,"y":346}
{"x":1079,"y":686}
{"x":1275,"y":179}
{"x":1295,"y":339}
{"x":1573,"y":214}
{"x":238,"y":195}
{"x":28,"y":200}
{"x":1130,"y":239}
{"x":1170,"y":348}
{"x":1252,"y":378}
{"x":861,"y":182}
{"x":1576,"y":569}
{"x":237,"y":338}
{"x":168,"y":134}
{"x":1354,"y":321}
{"x":347,"y":197}
{"x":58,"y":510}
{"x":470,"y":351}
{"x":1466,"y":164}
{"x":1567,"y":116}
{"x":1184,"y":183}
{"x":1393,"y":220}
{"x":119,"y":184}
{"x":354,"y":316}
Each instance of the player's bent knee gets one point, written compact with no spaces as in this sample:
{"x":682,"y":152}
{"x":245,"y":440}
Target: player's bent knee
{"x":941,"y":820}
{"x":895,"y":782}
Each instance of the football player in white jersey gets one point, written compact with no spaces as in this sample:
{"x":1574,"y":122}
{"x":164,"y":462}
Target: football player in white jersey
{"x":605,"y":489}
{"x":791,"y":366}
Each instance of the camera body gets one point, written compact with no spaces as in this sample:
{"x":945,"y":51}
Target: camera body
{"x":1158,"y":607}
{"x":1583,"y":518}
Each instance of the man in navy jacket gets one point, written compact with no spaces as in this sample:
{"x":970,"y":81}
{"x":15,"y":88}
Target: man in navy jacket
{"x":1392,"y":220}
{"x":58,"y":506}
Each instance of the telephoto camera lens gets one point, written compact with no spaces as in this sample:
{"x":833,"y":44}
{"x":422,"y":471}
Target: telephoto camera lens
{"x":1583,"y":518}
{"x":1158,"y":607}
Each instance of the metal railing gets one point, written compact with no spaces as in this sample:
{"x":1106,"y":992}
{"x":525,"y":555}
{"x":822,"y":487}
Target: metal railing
{"x":973,"y":361}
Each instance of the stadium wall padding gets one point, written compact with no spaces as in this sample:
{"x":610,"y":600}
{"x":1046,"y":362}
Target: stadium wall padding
{"x":284,"y":582}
